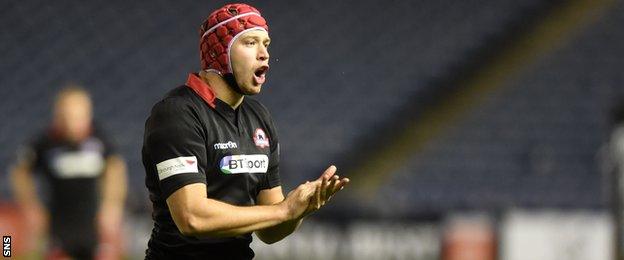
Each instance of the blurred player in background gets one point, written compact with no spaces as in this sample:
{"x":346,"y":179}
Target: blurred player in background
{"x":211,"y":154}
{"x":86,"y":179}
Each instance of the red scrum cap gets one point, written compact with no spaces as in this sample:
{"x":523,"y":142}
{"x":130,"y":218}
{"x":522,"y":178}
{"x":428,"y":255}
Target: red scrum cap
{"x":221,"y":29}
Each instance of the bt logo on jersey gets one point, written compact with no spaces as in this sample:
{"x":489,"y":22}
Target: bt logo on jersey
{"x":242,"y":163}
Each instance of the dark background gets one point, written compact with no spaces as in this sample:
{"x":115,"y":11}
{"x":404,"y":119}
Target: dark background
{"x":348,"y":80}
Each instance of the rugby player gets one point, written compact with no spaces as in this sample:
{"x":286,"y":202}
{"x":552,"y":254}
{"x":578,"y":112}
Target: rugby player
{"x":211,"y":153}
{"x":86,"y":178}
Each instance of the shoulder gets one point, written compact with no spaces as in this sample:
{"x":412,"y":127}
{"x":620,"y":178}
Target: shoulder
{"x":33,"y":146}
{"x":258,"y":107}
{"x":100,"y":133}
{"x":263,"y":115}
{"x":41,"y":138}
{"x":179,"y":102}
{"x":179,"y":111}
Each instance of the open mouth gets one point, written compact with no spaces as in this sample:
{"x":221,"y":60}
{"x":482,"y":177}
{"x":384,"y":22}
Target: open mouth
{"x":260,"y":74}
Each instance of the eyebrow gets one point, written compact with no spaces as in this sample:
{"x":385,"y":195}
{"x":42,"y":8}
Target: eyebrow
{"x":256,"y":38}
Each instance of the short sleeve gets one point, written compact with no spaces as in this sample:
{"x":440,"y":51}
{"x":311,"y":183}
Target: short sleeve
{"x":28,"y":154}
{"x":272,"y":178}
{"x":110,"y":147}
{"x":175,"y":143}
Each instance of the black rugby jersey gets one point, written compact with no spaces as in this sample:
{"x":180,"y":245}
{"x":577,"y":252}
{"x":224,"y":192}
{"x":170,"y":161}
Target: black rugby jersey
{"x":71,"y":172}
{"x":193,"y":137}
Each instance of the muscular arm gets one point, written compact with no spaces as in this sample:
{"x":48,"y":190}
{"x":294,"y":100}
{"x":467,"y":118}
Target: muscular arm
{"x":325,"y":187}
{"x":113,"y":196}
{"x":114,"y":184}
{"x":278,"y":232}
{"x":196,"y":215}
{"x":24,"y":189}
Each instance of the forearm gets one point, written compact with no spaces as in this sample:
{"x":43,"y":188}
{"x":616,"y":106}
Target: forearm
{"x":114,"y":184}
{"x":278,"y":232}
{"x":218,"y":219}
{"x":196,"y":215}
{"x":25,"y":195}
{"x":226,"y":220}
{"x":24,"y":188}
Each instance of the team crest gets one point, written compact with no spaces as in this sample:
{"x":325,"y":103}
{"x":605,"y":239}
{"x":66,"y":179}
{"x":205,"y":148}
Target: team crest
{"x":260,"y":138}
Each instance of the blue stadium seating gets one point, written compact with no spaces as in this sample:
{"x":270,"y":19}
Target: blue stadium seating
{"x":534,"y":143}
{"x":338,"y":69}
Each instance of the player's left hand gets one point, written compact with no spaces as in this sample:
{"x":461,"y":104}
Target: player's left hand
{"x":328,"y":184}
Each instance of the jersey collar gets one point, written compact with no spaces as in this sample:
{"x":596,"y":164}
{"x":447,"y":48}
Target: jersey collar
{"x":201,"y":88}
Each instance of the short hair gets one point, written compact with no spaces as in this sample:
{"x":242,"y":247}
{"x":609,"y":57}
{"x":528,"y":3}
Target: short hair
{"x":69,"y":89}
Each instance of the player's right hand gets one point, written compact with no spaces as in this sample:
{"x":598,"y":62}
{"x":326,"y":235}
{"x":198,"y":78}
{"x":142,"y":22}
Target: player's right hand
{"x":297,"y":200}
{"x":328,"y":184}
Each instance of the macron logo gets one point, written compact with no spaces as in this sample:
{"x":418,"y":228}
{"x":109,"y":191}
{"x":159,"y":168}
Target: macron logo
{"x":223,"y":146}
{"x":175,"y":166}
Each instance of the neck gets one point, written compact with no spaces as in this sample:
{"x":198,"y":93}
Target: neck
{"x":221,"y":89}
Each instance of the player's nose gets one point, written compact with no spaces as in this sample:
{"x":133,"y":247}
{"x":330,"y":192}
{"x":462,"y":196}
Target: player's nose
{"x":263,"y":53}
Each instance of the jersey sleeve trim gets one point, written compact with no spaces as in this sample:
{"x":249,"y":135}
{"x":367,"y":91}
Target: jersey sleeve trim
{"x":171,"y":185}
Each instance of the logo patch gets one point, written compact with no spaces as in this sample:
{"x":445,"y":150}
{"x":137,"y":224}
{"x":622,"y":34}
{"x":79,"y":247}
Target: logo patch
{"x":175,"y":166}
{"x":223,"y":146}
{"x":260,"y":138}
{"x":253,"y":163}
{"x":79,"y":164}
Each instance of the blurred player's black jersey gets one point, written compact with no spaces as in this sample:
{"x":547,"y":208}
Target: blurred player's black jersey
{"x":193,"y":137}
{"x":71,"y":172}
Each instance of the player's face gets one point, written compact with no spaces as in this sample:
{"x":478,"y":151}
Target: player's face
{"x":73,"y":116}
{"x":250,"y":60}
